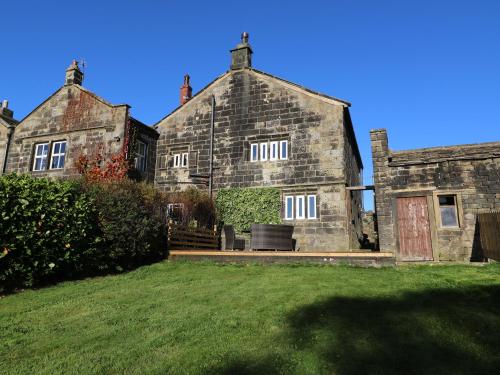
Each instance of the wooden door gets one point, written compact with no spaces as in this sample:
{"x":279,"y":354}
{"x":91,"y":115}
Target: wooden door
{"x":414,"y":229}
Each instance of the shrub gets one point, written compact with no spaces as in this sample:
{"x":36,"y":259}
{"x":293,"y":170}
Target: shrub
{"x":53,"y":230}
{"x":45,"y":228}
{"x":132,"y":224}
{"x":243,"y":207}
{"x":195,"y":205}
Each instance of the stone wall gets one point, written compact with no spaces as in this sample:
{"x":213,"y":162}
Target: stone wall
{"x":3,"y":144}
{"x":469,"y":172}
{"x":72,"y":114}
{"x":253,"y":107}
{"x":149,"y":136}
{"x":88,"y":124}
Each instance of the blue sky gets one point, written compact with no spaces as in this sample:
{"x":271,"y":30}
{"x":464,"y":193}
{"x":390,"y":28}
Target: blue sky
{"x":428,"y":71}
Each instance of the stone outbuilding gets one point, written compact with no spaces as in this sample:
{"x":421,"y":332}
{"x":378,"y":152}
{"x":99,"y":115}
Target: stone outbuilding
{"x":269,"y":132}
{"x":75,"y":122}
{"x":427,"y":199}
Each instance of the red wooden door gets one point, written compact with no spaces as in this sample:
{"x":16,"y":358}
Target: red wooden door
{"x":414,"y":229}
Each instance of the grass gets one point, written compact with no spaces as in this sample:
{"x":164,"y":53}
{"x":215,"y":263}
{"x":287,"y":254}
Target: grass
{"x":200,"y":318}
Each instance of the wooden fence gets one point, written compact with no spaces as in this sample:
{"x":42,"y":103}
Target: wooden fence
{"x":186,"y":238}
{"x":489,"y":230}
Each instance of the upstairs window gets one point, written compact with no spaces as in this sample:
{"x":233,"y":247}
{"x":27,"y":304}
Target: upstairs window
{"x":141,"y":156}
{"x":263,"y":151}
{"x":181,"y":160}
{"x":58,"y":154}
{"x":185,"y":159}
{"x":283,"y":150}
{"x":41,"y":157}
{"x":273,"y":151}
{"x":177,"y":160}
{"x":254,"y":152}
{"x":448,"y":211}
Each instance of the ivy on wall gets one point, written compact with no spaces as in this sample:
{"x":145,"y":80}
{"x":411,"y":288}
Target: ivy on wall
{"x":242,"y":207}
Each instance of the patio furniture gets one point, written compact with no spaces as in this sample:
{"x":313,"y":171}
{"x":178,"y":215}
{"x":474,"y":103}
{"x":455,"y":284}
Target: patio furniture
{"x":272,"y":237}
{"x":233,"y":242}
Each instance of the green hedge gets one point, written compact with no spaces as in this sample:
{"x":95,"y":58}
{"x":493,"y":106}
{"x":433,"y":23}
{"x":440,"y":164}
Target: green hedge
{"x":53,"y":230}
{"x":242,"y":207}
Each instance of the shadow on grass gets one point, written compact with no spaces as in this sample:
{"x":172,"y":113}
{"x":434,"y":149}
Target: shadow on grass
{"x":436,"y":331}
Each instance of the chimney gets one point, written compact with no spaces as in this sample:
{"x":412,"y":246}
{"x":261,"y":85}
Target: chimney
{"x":74,"y":76}
{"x":5,"y":111}
{"x":186,"y":90}
{"x":241,"y":56}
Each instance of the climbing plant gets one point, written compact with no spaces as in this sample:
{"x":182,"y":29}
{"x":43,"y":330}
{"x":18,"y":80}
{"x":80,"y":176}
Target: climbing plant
{"x":242,"y":207}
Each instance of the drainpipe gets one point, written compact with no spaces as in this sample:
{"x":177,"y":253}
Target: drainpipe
{"x":211,"y":166}
{"x":10,"y":131}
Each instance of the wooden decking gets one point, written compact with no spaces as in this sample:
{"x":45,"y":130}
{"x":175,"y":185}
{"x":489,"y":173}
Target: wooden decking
{"x":359,"y":258}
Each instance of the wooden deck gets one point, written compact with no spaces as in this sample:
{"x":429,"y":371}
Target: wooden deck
{"x":359,"y":258}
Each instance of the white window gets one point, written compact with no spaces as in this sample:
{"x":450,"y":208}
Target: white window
{"x":58,"y":153}
{"x":254,"y":152}
{"x":141,"y":156}
{"x":300,"y":207}
{"x":185,"y":159}
{"x":177,"y":160}
{"x":311,"y":207}
{"x":274,"y":151}
{"x":289,"y":207}
{"x":283,"y":150}
{"x":41,"y":155}
{"x":263,"y":151}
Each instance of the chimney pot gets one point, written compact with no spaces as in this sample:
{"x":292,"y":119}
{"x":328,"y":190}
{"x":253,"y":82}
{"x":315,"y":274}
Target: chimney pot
{"x":186,"y":90}
{"x":5,"y":103}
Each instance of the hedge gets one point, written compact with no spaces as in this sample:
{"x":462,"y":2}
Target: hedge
{"x":242,"y":207}
{"x":54,"y":230}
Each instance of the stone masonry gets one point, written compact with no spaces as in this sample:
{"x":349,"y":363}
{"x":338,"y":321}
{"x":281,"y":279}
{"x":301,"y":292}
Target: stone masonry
{"x":470,"y":173}
{"x":253,"y":107}
{"x":7,"y":125}
{"x":89,"y":125}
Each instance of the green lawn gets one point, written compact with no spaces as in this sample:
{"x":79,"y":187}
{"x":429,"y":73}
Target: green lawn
{"x":200,"y":318}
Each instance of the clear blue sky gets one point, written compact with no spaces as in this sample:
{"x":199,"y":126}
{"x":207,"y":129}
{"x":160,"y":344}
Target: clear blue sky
{"x":428,"y":71}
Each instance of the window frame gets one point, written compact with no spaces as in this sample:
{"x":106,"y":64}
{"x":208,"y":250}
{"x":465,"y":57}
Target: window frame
{"x":277,"y":149}
{"x":440,"y":213}
{"x":43,"y":166}
{"x":292,"y":200}
{"x":177,"y":160}
{"x":52,"y":154}
{"x":302,"y":206}
{"x":252,"y":146}
{"x":458,"y":206}
{"x":185,"y":158}
{"x":283,"y":145}
{"x":263,"y":155}
{"x":309,"y":217}
{"x":140,"y":156}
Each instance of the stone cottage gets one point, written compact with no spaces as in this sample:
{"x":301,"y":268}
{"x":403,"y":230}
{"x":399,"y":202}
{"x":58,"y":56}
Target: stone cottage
{"x":427,"y":199}
{"x":274,"y":133}
{"x":75,"y":122}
